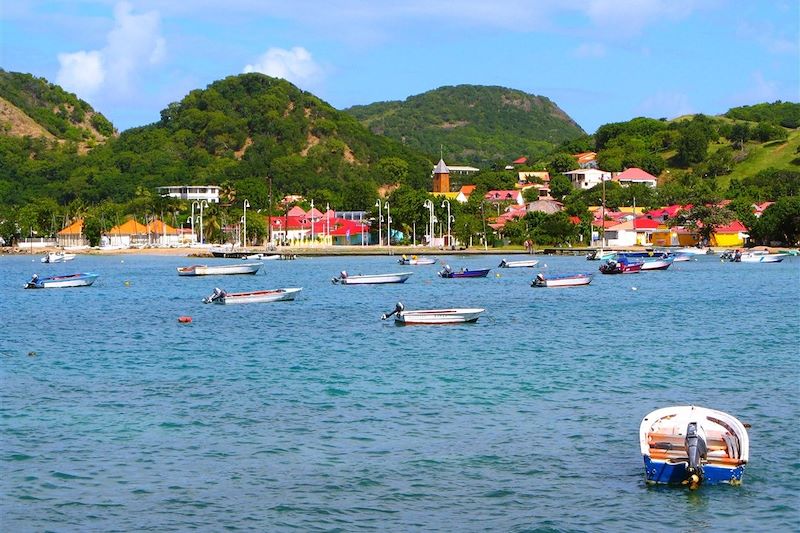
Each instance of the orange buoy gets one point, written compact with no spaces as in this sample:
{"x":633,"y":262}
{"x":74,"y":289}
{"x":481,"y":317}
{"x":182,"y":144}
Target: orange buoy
{"x":184,"y":319}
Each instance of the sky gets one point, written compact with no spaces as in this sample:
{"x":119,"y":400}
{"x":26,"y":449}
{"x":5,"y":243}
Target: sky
{"x":600,"y":61}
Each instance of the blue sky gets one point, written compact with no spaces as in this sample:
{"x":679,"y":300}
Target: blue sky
{"x":601,"y":61}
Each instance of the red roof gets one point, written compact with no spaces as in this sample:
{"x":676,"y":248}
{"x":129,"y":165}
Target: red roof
{"x":733,"y":227}
{"x":635,"y":174}
{"x":575,"y":220}
{"x":521,"y":161}
{"x":502,"y":195}
{"x":645,"y":223}
{"x":604,"y":223}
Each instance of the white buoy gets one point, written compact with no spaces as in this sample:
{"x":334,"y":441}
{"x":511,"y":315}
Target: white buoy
{"x":634,"y":288}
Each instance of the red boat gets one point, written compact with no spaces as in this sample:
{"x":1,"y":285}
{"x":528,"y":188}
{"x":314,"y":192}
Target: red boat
{"x":621,"y":266}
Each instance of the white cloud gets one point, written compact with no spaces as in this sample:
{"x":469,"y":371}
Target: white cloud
{"x":134,"y":43}
{"x":81,"y":72}
{"x":590,"y":50}
{"x":630,"y":17}
{"x":665,"y":104}
{"x":295,"y":65}
{"x":760,"y":90}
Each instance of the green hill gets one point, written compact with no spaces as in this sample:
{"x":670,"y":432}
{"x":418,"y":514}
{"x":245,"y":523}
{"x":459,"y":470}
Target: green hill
{"x":239,"y":131}
{"x":32,"y":106}
{"x":472,"y":124}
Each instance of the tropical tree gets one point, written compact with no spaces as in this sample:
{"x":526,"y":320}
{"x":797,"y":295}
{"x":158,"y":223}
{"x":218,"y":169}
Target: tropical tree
{"x":780,"y":222}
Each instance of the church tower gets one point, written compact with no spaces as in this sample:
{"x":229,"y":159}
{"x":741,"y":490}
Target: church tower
{"x":441,"y":178}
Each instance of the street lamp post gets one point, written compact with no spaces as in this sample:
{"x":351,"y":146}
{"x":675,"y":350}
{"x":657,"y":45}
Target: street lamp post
{"x":380,"y":219}
{"x":388,"y":225}
{"x":312,"y":222}
{"x":278,"y":223}
{"x":244,"y":222}
{"x":429,"y":205}
{"x":192,"y":218}
{"x":203,"y":204}
{"x":448,"y":221}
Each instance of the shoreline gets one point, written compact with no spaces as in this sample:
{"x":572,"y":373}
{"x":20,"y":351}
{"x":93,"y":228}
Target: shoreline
{"x":332,"y":251}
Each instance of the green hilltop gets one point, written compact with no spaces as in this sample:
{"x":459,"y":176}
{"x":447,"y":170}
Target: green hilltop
{"x":472,"y":124}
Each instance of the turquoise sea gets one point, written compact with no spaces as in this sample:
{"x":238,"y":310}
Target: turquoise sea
{"x":315,"y":415}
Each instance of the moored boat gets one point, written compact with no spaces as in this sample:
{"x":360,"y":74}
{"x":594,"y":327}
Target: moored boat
{"x":758,"y":256}
{"x":371,"y":279}
{"x":599,"y":255}
{"x":433,"y":316}
{"x":261,"y":257}
{"x":621,"y":266}
{"x":220,"y":296}
{"x":657,"y":264}
{"x":693,"y":250}
{"x":448,"y":272}
{"x":414,"y":260}
{"x":217,"y":270}
{"x":692,"y":445}
{"x":58,"y":257}
{"x":561,"y":280}
{"x":82,"y":279}
{"x":522,"y":263}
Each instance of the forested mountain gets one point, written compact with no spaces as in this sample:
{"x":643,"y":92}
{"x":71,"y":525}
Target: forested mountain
{"x":472,"y":124}
{"x":239,"y":132}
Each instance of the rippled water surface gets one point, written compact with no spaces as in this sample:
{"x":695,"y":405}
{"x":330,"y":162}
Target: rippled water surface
{"x":316,"y":415}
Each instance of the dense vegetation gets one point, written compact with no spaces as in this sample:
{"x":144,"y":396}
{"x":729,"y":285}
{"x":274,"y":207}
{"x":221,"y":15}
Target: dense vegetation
{"x":61,"y":113}
{"x":478,"y":125}
{"x":254,"y":135}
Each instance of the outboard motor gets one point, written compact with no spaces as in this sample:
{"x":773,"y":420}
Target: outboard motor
{"x":32,"y":284}
{"x":216,"y":295}
{"x":397,"y":309}
{"x":697,"y":451}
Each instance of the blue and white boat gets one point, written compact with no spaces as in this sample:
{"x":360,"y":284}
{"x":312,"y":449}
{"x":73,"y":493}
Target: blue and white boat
{"x":83,"y":279}
{"x":691,"y":445}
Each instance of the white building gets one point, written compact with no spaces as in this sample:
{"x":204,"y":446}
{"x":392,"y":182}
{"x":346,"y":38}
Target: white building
{"x":209,"y":193}
{"x":586,"y":178}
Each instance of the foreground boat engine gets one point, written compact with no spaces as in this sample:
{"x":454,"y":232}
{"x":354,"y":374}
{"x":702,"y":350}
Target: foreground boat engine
{"x":397,"y":309}
{"x":216,"y":295}
{"x":697,"y":451}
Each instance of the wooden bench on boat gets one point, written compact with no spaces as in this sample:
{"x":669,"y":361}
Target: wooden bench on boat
{"x":665,"y":446}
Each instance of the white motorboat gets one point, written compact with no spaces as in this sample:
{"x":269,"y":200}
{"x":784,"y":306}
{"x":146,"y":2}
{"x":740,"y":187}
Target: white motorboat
{"x":214,"y":270}
{"x":758,"y":256}
{"x":371,"y":279}
{"x":219,"y":296}
{"x":562,"y":280}
{"x":414,"y":260}
{"x":691,"y":445}
{"x":659,"y":263}
{"x":58,"y":257}
{"x":83,"y":279}
{"x":523,"y":263}
{"x":433,"y":316}
{"x":262,"y":257}
{"x":693,"y":250}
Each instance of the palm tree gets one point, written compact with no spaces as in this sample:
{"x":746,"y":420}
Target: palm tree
{"x":227,"y":193}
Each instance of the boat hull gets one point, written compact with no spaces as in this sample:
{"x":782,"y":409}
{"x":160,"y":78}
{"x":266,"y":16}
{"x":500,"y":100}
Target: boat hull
{"x":562,"y":282}
{"x":518,"y":264}
{"x":482,"y":273}
{"x":415,"y":261}
{"x":658,"y":471}
{"x":276,"y":295}
{"x":657,"y":264}
{"x":373,"y":279}
{"x":57,"y":258}
{"x":438,"y":316}
{"x":59,"y":282}
{"x":620,"y":268}
{"x":761,"y":258}
{"x":219,"y":270}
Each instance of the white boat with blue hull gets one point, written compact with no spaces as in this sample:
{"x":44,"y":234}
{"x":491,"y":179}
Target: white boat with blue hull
{"x":690,"y":445}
